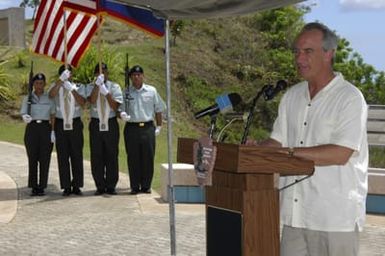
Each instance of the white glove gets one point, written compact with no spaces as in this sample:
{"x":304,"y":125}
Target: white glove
{"x":69,"y":86}
{"x":124,"y":116}
{"x":100,"y":80}
{"x":26,"y":118}
{"x":65,"y":75}
{"x":157,"y":130}
{"x":53,"y":137}
{"x":103,"y":89}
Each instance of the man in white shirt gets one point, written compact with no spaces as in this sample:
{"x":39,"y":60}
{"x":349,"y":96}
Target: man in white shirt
{"x":144,"y":106}
{"x":322,"y":119}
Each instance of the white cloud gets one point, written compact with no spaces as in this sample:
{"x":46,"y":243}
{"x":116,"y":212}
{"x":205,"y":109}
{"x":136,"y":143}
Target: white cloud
{"x":362,"y":5}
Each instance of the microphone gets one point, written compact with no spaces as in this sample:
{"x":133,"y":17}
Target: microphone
{"x":236,"y":116}
{"x":270,"y":92}
{"x":224,"y":103}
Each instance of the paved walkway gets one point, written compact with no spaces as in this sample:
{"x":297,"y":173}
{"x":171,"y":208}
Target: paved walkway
{"x":105,"y":225}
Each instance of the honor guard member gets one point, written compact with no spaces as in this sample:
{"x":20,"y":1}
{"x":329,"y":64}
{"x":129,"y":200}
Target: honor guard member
{"x":142,"y":105}
{"x":105,"y":97}
{"x":69,"y":99}
{"x":38,"y":111}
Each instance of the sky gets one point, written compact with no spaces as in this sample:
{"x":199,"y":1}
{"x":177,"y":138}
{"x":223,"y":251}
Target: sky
{"x":361,"y":22}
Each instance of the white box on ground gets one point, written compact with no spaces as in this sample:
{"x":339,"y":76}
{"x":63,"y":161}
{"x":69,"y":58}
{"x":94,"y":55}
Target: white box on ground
{"x":183,"y":175}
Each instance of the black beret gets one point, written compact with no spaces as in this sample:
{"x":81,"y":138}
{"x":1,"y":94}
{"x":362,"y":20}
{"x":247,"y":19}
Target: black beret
{"x":63,"y":67}
{"x":136,"y":69}
{"x":104,"y":67}
{"x":38,"y":76}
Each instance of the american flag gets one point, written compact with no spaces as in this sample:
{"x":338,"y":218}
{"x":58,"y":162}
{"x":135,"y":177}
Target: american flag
{"x":86,"y":6}
{"x":48,"y":35}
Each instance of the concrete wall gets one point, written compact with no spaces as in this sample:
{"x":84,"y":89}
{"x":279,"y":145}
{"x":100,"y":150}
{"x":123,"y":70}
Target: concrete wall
{"x":12,"y":27}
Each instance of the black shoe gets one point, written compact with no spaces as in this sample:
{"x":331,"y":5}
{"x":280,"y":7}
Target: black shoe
{"x":99,"y":192}
{"x":111,"y":191}
{"x":66,"y":192}
{"x":40,"y":192}
{"x":134,"y":191}
{"x":34,"y":192}
{"x":146,"y":190}
{"x":77,"y":191}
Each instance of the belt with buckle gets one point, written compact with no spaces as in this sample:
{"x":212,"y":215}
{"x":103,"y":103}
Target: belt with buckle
{"x":141,"y":124}
{"x":39,"y":121}
{"x":73,"y":119}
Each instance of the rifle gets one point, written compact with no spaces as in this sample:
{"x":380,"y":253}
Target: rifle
{"x":127,"y":84}
{"x":127,"y":73}
{"x":30,"y":85}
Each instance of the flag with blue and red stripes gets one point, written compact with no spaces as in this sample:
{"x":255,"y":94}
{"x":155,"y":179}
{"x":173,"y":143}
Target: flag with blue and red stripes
{"x":140,"y":18}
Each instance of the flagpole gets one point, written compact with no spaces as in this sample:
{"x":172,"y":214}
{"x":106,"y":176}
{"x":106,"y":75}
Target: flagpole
{"x":171,"y":195}
{"x":65,"y":38}
{"x":99,"y":38}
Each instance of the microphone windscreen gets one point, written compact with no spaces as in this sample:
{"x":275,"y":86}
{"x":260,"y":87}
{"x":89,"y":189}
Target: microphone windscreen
{"x":281,"y":85}
{"x":223,"y":102}
{"x":227,"y":101}
{"x":235,"y":98}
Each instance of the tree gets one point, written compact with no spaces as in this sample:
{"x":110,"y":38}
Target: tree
{"x":176,"y":29}
{"x":32,"y":4}
{"x":370,"y":81}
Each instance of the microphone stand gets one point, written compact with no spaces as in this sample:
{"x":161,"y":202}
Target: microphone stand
{"x":220,"y":139}
{"x":213,"y":120}
{"x":251,"y":113}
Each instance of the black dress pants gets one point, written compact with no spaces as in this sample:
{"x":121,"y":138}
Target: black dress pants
{"x":37,"y":140}
{"x":69,"y":148}
{"x":104,"y":154}
{"x":140,"y":148}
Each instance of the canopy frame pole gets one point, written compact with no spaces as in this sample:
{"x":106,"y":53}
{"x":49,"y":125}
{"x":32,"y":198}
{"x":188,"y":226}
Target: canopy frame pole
{"x":171,"y":194}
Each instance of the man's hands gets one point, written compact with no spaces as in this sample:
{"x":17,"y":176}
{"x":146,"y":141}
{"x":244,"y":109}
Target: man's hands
{"x":124,"y":116}
{"x":53,"y":137}
{"x":99,"y":80}
{"x":65,"y":75}
{"x":102,"y":87}
{"x":157,"y":130}
{"x":251,"y":142}
{"x":26,"y":118}
{"x":69,"y":86}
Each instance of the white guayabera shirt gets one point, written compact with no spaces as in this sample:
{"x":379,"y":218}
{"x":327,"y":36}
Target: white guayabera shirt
{"x":333,"y":199}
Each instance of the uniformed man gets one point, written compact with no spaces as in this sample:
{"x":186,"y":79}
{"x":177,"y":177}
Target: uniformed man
{"x":39,"y":118}
{"x":142,"y":105}
{"x":69,"y":99}
{"x":105,"y":97}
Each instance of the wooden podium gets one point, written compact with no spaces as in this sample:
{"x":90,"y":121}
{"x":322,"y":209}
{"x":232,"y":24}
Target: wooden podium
{"x":242,"y":205}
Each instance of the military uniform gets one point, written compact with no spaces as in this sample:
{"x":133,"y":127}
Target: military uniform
{"x":104,"y":141}
{"x":37,"y":140}
{"x":139,"y":133}
{"x":69,"y":140}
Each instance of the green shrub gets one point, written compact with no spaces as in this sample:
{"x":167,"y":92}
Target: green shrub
{"x":6,"y":94}
{"x":113,"y":58}
{"x":21,"y":59}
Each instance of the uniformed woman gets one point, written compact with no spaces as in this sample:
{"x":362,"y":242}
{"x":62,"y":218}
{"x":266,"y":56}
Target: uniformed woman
{"x":37,"y":111}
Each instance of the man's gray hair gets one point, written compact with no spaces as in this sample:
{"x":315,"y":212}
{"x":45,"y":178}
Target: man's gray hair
{"x":329,"y":40}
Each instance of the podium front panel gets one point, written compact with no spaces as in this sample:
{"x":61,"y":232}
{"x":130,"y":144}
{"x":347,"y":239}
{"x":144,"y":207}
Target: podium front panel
{"x":224,"y":232}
